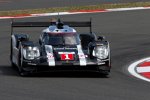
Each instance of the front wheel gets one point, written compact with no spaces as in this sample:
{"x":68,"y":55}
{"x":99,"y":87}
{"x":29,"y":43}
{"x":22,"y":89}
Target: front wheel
{"x":104,"y":70}
{"x":22,"y":72}
{"x":104,"y":74}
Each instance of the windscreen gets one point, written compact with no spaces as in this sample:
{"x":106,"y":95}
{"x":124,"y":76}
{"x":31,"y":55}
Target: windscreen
{"x":62,"y":39}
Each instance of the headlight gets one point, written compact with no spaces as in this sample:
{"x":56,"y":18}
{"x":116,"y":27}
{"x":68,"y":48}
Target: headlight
{"x":31,"y":52}
{"x":101,"y":52}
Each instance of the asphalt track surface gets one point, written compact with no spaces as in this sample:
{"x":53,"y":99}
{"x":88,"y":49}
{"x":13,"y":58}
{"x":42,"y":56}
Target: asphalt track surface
{"x":30,"y":4}
{"x":129,"y":36}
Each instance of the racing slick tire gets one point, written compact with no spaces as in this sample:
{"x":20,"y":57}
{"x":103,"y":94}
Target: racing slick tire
{"x":104,"y":70}
{"x":11,"y":57}
{"x":22,"y":72}
{"x":104,"y":73}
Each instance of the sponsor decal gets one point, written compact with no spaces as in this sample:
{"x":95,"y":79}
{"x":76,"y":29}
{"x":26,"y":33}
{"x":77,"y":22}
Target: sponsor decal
{"x":67,"y":55}
{"x":101,"y":63}
{"x":82,"y":56}
{"x":65,"y":48}
{"x":50,"y":56}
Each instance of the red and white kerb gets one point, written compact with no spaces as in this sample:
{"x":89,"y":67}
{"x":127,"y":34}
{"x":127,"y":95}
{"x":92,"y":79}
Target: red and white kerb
{"x":144,"y":69}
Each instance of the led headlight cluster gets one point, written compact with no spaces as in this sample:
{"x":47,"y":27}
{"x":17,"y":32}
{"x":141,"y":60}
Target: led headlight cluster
{"x":101,"y":52}
{"x":31,"y":53}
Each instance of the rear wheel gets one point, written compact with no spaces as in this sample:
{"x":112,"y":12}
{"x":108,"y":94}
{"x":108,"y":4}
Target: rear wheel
{"x":11,"y":55}
{"x":11,"y":60}
{"x":23,"y":73}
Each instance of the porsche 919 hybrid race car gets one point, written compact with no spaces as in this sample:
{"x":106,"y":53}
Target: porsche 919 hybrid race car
{"x":60,"y":47}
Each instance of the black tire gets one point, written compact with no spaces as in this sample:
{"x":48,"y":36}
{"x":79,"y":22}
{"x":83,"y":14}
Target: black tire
{"x":12,"y":64}
{"x":104,"y":73}
{"x":22,"y":72}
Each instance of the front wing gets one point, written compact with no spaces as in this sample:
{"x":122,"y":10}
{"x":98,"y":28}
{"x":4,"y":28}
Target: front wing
{"x":42,"y":65}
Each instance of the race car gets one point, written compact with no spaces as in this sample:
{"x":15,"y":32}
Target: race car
{"x":60,"y":48}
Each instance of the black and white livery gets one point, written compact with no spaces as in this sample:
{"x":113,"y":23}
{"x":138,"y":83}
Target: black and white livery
{"x":60,"y":47}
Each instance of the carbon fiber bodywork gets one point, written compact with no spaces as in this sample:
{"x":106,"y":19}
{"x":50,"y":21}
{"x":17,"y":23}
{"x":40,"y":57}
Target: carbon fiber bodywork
{"x":60,"y":49}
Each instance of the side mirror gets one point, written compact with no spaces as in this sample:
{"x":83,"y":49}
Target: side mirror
{"x":101,"y":38}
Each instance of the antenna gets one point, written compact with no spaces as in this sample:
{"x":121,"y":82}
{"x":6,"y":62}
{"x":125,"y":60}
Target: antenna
{"x":91,"y":25}
{"x":58,"y":15}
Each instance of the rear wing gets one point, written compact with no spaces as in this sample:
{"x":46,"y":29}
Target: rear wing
{"x":47,"y":24}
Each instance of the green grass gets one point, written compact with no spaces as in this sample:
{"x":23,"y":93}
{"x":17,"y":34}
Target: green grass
{"x":73,"y":8}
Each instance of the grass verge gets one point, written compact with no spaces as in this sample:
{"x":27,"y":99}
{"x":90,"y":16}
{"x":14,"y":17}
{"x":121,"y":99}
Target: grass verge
{"x":73,"y":8}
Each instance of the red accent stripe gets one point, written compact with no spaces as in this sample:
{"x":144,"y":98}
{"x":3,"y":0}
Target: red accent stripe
{"x":146,"y":6}
{"x":100,"y":10}
{"x":145,"y":64}
{"x":146,"y":74}
{"x":22,"y":15}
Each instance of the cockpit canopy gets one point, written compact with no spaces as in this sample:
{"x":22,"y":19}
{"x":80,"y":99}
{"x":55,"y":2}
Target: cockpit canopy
{"x":60,"y":34}
{"x":63,"y":29}
{"x":61,"y":39}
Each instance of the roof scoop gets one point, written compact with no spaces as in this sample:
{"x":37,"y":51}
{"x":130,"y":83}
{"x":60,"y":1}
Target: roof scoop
{"x":59,"y":24}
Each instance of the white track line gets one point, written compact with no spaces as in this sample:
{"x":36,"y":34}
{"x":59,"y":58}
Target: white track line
{"x":132,"y":69}
{"x":143,"y":69}
{"x":76,"y":12}
{"x":127,"y":9}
